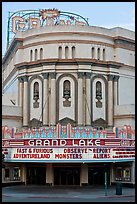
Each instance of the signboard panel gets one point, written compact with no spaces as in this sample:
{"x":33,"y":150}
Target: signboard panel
{"x":68,"y":142}
{"x":68,"y":154}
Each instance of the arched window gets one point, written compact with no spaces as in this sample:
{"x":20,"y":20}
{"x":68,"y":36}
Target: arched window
{"x":31,"y":53}
{"x":60,"y":52}
{"x":36,"y":95}
{"x":98,"y":94}
{"x":36,"y":91}
{"x":66,"y":89}
{"x":98,"y":53}
{"x":66,"y":52}
{"x":104,"y":54}
{"x":36,"y":54}
{"x":98,"y":89}
{"x":41,"y":53}
{"x":93,"y":53}
{"x":73,"y":52}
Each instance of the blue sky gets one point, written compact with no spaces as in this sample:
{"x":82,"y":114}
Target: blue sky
{"x":103,"y":14}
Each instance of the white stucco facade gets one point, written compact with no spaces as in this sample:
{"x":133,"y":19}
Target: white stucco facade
{"x":78,"y":54}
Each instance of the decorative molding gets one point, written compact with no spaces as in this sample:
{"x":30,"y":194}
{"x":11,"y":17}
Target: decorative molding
{"x":45,"y":75}
{"x":20,"y":79}
{"x":67,"y":120}
{"x":88,"y":75}
{"x":110,"y":77}
{"x":116,"y":78}
{"x":25,"y":78}
{"x":80,"y":75}
{"x":53,"y":75}
{"x":67,"y":103}
{"x":100,"y":122}
{"x":12,"y":117}
{"x":35,"y":77}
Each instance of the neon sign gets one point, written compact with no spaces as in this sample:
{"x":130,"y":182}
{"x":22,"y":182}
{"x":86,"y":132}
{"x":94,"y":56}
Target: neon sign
{"x":30,"y":19}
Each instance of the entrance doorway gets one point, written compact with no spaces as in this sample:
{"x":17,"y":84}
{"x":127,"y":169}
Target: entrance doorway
{"x":96,"y":175}
{"x":36,"y":175}
{"x":66,"y":176}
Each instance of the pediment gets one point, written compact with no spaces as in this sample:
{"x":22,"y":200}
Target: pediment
{"x":99,"y":122}
{"x":35,"y":123}
{"x":67,"y":120}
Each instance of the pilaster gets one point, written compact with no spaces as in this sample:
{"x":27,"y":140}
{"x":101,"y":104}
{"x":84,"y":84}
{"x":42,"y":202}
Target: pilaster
{"x":110,"y":100}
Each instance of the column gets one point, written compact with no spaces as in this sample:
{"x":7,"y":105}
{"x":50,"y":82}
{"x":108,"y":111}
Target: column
{"x":25,"y":102}
{"x":20,"y":91}
{"x":111,"y":174}
{"x":45,"y":99}
{"x":133,"y":172}
{"x":80,"y":98}
{"x":53,"y":99}
{"x":69,"y":53}
{"x":49,"y":174}
{"x":23,"y":174}
{"x":11,"y":173}
{"x":84,"y":175}
{"x":116,"y":90}
{"x":88,"y":98}
{"x":101,"y":53}
{"x":63,"y":51}
{"x":3,"y":175}
{"x":95,"y":52}
{"x":110,"y":100}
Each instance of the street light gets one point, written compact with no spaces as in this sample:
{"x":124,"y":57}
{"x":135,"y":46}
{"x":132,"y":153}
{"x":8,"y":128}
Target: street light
{"x":105,"y":169}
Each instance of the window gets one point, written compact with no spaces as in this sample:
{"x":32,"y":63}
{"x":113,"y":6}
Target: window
{"x":66,"y":52}
{"x":93,"y":53}
{"x":123,"y":174}
{"x":36,"y":90}
{"x":60,"y":53}
{"x":41,"y":53}
{"x":36,"y":95}
{"x":36,"y":54}
{"x":66,"y":93}
{"x":16,"y":173}
{"x":98,"y":94}
{"x":98,"y":90}
{"x":31,"y":53}
{"x":73,"y":52}
{"x":66,"y":89}
{"x":104,"y":54}
{"x":98,"y":53}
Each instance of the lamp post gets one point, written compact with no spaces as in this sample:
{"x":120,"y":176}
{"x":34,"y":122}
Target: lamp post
{"x":105,"y":179}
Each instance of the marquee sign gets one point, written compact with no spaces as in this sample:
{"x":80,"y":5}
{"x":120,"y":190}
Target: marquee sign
{"x":69,"y":154}
{"x":67,"y":143}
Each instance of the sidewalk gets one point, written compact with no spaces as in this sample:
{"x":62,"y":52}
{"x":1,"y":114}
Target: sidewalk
{"x":65,"y":192}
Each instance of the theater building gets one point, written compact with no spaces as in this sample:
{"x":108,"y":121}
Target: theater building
{"x":68,"y":100}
